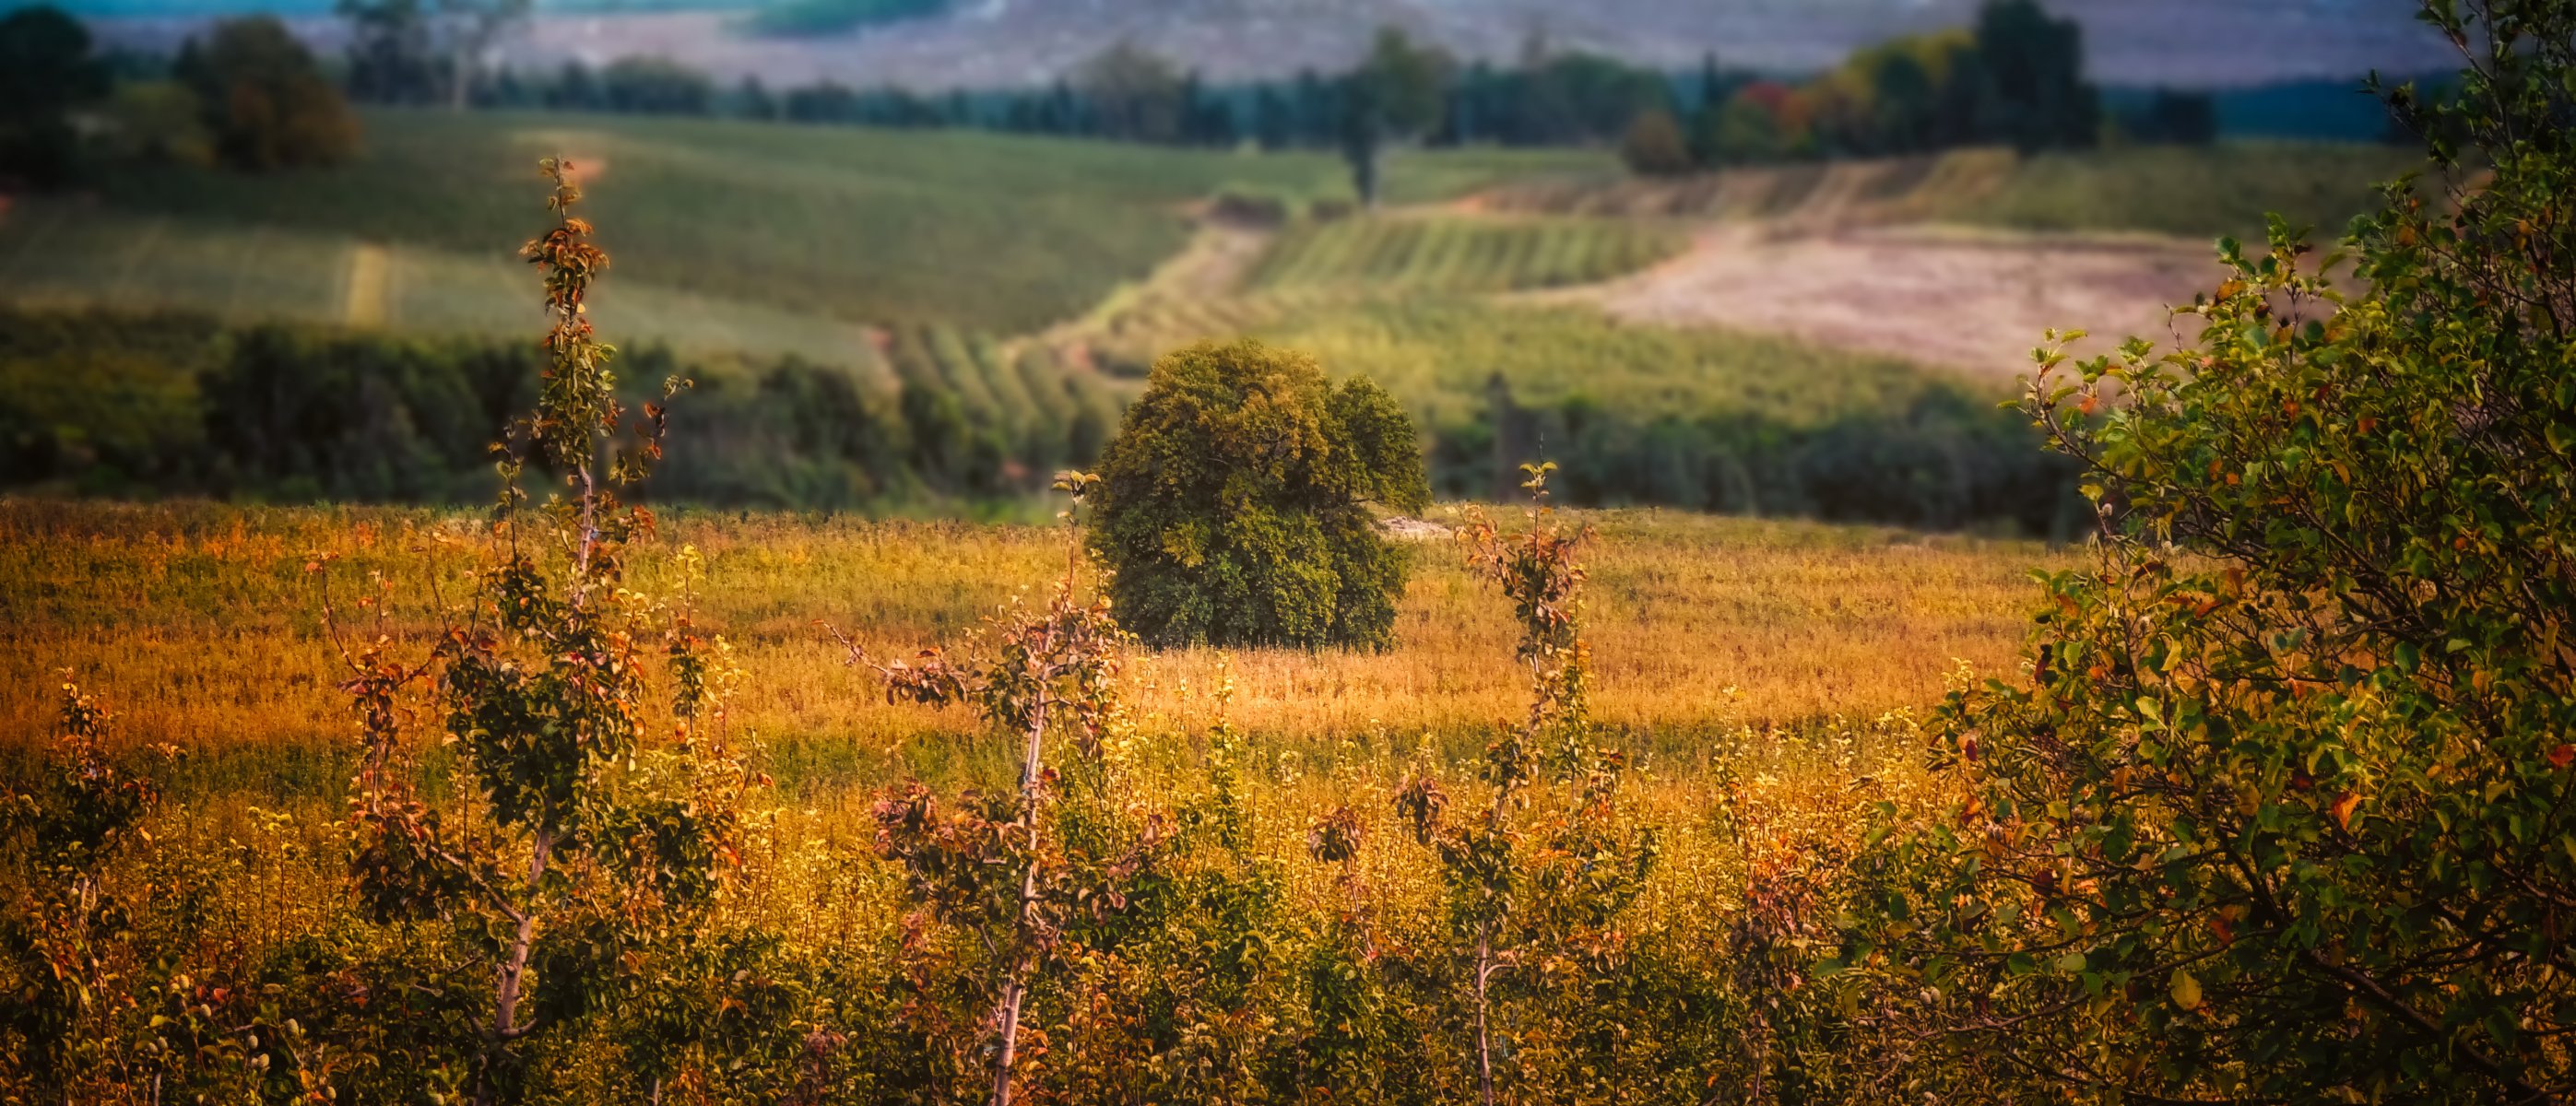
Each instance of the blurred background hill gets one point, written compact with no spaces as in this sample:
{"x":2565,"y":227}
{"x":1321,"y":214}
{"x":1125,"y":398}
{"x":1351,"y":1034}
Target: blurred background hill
{"x":1754,"y":256}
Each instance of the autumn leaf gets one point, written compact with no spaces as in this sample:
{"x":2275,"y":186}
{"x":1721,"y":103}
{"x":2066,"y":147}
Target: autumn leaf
{"x":2343,"y":807}
{"x":2186,"y":991}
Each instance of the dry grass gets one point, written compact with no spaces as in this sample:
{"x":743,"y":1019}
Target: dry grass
{"x":200,"y":624}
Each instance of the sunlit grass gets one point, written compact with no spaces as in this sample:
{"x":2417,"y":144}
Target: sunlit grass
{"x":202,"y":625}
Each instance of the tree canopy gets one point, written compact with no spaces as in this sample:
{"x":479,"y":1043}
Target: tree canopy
{"x":46,"y":69}
{"x":2281,"y":807}
{"x":1233,"y":502}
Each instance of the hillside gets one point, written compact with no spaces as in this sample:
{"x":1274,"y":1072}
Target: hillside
{"x":732,"y":237}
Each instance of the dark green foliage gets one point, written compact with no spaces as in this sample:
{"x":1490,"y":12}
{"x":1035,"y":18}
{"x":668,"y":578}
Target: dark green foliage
{"x":1654,"y":145}
{"x":2178,"y":118}
{"x":103,"y":403}
{"x":656,"y":86}
{"x":1942,"y":458}
{"x":2280,"y":808}
{"x":46,"y":70}
{"x":1233,"y":502}
{"x":2035,"y":66}
{"x":265,"y":100}
{"x":1394,"y":94}
{"x":392,"y":58}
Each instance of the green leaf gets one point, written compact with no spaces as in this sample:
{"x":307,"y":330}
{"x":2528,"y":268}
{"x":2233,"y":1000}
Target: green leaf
{"x":2186,"y":990}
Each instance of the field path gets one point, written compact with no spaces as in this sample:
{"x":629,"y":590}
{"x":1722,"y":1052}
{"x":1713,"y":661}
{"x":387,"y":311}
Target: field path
{"x":370,"y":275}
{"x":1969,"y":300}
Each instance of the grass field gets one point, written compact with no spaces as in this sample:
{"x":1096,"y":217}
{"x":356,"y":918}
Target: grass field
{"x":1761,"y":675}
{"x":1437,"y":352}
{"x":1463,"y":255}
{"x":199,"y":621}
{"x":726,"y":235}
{"x":2166,"y":190}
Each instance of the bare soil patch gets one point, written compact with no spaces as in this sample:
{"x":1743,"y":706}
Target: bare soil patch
{"x":1973,"y":301}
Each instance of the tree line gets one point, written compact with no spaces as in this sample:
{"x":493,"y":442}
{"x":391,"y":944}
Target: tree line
{"x":121,"y":404}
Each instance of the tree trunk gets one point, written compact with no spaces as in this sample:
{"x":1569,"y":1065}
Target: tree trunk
{"x":1484,"y":1035}
{"x":505,"y":1007}
{"x":461,"y":75}
{"x":1016,"y":988}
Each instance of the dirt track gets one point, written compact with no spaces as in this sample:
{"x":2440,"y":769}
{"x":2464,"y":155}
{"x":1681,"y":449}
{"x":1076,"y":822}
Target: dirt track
{"x":1977,"y":303}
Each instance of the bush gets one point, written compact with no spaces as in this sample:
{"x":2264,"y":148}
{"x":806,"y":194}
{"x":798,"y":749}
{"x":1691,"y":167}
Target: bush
{"x":2280,"y":812}
{"x":265,"y":99}
{"x":1232,"y":502}
{"x":1654,"y":146}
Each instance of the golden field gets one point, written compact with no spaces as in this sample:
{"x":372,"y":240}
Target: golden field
{"x":200,"y":623}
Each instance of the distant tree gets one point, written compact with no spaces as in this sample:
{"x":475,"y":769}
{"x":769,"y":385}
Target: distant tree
{"x":1273,"y":120}
{"x":1314,"y":110}
{"x":416,"y":51}
{"x":2035,"y":65}
{"x":1654,"y":146}
{"x":751,"y":100}
{"x":265,"y":100}
{"x":1396,"y":93}
{"x":574,"y":86}
{"x":2179,"y":118}
{"x":656,"y":86}
{"x":469,"y":28}
{"x":157,"y":122}
{"x":46,"y":70}
{"x":1752,"y":127}
{"x":392,"y":56}
{"x":822,"y":102}
{"x":1233,"y":502}
{"x":1714,"y":84}
{"x":1135,"y":94}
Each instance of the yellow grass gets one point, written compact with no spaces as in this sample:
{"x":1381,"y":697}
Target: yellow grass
{"x":199,"y":623}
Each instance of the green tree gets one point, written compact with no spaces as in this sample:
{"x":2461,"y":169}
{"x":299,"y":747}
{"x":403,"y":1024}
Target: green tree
{"x":2035,"y":64}
{"x":1654,"y":145}
{"x":1135,"y":94}
{"x":46,"y":70}
{"x":1233,"y":502}
{"x":1393,"y":95}
{"x":2285,"y":806}
{"x":266,"y":102}
{"x":392,"y":57}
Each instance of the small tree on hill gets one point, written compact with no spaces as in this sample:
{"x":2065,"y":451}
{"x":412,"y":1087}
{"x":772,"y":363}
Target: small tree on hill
{"x":1395,"y":93}
{"x":2285,"y":807}
{"x":1233,"y":503}
{"x":1654,"y":145}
